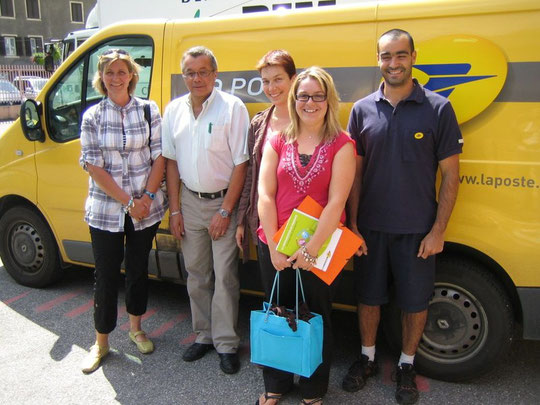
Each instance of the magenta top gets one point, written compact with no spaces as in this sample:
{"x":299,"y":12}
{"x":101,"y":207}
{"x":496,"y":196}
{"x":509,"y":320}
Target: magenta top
{"x":295,"y":182}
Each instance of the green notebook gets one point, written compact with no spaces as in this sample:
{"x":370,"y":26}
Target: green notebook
{"x":298,"y":231}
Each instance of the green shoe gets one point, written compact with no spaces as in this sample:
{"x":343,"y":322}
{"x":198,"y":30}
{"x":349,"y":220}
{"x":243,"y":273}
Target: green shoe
{"x":93,"y":359}
{"x":144,"y":347}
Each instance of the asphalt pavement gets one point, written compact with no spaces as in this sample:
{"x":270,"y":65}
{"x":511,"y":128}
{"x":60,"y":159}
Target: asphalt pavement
{"x":45,"y":333}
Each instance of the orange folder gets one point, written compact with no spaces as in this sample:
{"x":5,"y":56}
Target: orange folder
{"x":348,"y":243}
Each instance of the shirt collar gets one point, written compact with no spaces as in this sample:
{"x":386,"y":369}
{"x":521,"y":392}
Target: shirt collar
{"x":417,"y":95}
{"x":206,"y":102}
{"x":118,"y":107}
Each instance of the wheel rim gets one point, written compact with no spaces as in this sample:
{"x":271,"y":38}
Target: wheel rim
{"x":27,"y":248}
{"x":457,"y":325}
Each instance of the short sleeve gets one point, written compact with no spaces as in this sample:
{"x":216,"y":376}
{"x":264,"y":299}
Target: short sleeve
{"x":91,"y":152}
{"x":449,"y":140}
{"x":354,"y":129}
{"x":239,"y":132}
{"x":276,"y":141}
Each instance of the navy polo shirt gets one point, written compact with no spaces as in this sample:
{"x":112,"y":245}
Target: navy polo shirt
{"x":401,"y":148}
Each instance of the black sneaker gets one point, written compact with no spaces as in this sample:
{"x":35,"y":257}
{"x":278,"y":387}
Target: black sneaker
{"x":406,"y":391}
{"x":358,"y":373}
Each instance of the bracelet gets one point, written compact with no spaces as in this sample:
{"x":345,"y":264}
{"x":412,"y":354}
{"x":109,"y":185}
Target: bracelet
{"x":172,"y":214}
{"x":149,"y":194}
{"x":307,"y":257}
{"x":129,"y":206}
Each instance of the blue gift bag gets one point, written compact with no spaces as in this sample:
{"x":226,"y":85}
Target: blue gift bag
{"x":274,"y":344}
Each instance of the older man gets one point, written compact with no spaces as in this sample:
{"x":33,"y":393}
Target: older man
{"x":205,"y":139}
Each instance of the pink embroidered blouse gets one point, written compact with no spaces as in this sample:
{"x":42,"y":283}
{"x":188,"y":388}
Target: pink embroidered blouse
{"x":295,"y":182}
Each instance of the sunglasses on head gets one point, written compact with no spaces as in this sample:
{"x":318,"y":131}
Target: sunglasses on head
{"x":114,"y":50}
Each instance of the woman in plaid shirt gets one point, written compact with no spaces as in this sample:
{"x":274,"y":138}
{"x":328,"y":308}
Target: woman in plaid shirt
{"x":122,"y":155}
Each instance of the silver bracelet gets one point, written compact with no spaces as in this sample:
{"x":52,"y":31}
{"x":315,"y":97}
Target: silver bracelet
{"x":129,"y":206}
{"x":172,"y":214}
{"x":307,"y":257}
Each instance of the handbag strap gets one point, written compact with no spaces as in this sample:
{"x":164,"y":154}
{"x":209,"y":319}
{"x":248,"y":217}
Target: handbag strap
{"x":275,"y":286}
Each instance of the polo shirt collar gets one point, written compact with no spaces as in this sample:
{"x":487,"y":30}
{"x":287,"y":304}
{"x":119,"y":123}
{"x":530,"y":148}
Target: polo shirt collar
{"x":417,"y":95}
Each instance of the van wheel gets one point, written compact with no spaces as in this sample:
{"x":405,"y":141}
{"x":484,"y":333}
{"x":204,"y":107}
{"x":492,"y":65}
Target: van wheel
{"x":28,"y":249}
{"x":469,"y":326}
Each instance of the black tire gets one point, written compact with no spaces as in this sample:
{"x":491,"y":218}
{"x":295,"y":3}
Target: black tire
{"x":469,"y":327}
{"x":28,"y":249}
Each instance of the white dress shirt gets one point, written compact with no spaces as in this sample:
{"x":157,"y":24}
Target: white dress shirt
{"x":206,"y":148}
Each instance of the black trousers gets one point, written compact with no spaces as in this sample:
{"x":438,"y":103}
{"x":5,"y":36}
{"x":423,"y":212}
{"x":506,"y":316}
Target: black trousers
{"x":108,"y":248}
{"x":319,"y":297}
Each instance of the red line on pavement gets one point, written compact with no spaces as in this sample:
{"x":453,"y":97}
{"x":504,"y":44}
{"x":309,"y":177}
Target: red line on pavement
{"x":147,"y":315}
{"x":188,"y":340}
{"x":168,"y":325}
{"x":422,"y":383}
{"x":57,"y":301}
{"x":80,"y":310}
{"x":17,"y":298}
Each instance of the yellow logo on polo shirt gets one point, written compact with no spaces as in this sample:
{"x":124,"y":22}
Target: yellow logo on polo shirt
{"x":470,"y":71}
{"x":418,"y":135}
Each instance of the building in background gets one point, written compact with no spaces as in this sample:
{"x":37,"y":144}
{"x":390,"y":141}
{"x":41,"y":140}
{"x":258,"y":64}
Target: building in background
{"x":26,"y":26}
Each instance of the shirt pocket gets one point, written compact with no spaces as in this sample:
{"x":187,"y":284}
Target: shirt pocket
{"x":417,"y":145}
{"x":216,"y":138}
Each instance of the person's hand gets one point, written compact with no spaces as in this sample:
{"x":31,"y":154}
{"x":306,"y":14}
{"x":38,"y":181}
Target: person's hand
{"x":239,"y":236}
{"x":218,"y":226}
{"x":299,"y":262}
{"x":176,"y":225}
{"x":279,"y":260}
{"x":362,"y":250}
{"x":139,"y":210}
{"x":432,"y":244}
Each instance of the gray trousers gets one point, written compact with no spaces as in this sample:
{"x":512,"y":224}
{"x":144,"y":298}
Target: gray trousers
{"x":212,"y":266}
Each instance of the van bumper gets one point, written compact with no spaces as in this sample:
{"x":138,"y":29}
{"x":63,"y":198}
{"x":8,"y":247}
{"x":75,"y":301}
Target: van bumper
{"x":530,"y":302}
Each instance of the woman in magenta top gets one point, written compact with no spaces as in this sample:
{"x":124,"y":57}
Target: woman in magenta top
{"x":314,"y":157}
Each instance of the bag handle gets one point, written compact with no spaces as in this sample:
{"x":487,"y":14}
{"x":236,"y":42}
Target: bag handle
{"x":275,"y":286}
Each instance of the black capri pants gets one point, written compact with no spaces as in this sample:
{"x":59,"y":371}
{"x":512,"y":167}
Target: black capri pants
{"x":109,"y":248}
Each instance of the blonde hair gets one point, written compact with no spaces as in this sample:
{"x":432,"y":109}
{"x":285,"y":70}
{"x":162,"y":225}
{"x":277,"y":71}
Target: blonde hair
{"x":106,"y":59}
{"x":331,"y":127}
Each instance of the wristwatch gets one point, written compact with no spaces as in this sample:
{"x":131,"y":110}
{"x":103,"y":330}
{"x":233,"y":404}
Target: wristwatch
{"x":149,"y":194}
{"x":224,"y":213}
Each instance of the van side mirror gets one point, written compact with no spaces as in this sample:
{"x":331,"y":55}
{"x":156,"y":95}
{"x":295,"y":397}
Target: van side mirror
{"x":31,"y":111}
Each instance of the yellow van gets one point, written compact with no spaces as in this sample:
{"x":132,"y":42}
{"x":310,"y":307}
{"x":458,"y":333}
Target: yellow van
{"x":484,"y":55}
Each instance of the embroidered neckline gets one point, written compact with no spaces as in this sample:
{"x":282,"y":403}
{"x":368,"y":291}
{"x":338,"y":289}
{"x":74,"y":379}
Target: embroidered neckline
{"x":302,"y":177}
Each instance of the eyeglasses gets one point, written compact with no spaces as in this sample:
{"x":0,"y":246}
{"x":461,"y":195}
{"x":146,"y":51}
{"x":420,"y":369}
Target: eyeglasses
{"x":304,"y":98}
{"x":202,"y":74}
{"x":114,"y":50}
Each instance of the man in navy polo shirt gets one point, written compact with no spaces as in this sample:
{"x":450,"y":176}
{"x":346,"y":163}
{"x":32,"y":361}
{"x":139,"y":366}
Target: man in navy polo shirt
{"x":403,"y":134}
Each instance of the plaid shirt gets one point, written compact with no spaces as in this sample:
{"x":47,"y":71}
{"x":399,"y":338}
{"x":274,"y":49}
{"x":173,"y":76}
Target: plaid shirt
{"x":116,"y":139}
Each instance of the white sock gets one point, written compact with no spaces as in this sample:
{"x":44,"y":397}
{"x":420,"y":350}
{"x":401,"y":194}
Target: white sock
{"x":405,"y":358}
{"x":369,"y":351}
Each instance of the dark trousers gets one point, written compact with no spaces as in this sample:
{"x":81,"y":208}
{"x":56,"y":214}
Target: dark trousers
{"x":319,"y":297}
{"x":108,"y":248}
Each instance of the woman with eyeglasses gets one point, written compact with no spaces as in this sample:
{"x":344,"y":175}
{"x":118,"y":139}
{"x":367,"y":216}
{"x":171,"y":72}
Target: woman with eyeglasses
{"x":121,"y":151}
{"x":312,"y":156}
{"x":277,"y":70}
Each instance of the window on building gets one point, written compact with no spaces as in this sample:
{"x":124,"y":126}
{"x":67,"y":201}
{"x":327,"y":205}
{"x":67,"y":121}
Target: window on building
{"x":77,"y":15}
{"x":10,"y":46}
{"x":33,"y":45}
{"x":32,"y":9}
{"x":6,"y":8}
